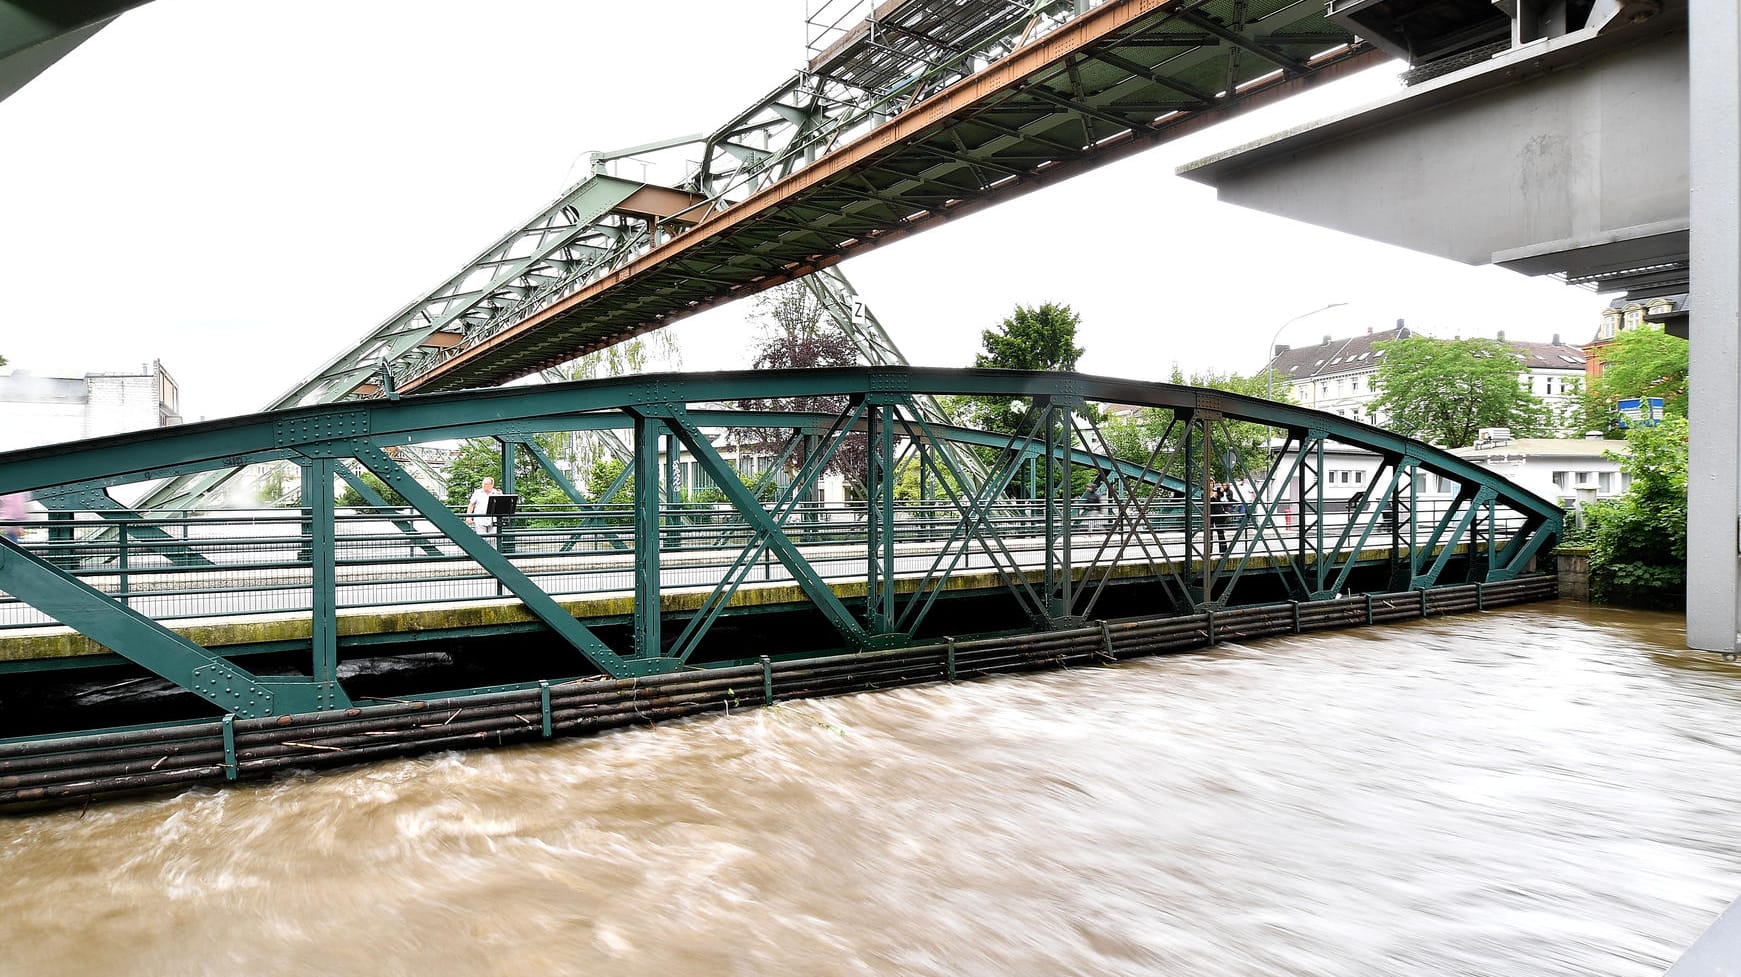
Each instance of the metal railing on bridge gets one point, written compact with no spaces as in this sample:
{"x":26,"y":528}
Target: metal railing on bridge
{"x":261,"y":562}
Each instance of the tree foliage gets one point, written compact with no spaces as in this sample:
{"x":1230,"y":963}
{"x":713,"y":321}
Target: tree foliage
{"x":479,"y":458}
{"x":1038,"y":338}
{"x":1241,"y":448}
{"x":794,"y":335}
{"x":1445,"y":391}
{"x":352,"y":499}
{"x":1642,"y":363}
{"x":1639,"y":541}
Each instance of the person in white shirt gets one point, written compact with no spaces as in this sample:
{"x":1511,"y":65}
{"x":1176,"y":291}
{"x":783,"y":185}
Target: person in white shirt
{"x":480,"y":504}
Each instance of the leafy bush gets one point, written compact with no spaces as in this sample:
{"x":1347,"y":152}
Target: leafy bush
{"x":1639,"y":541}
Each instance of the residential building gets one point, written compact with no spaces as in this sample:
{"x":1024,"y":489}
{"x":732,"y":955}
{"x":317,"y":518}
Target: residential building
{"x":1566,"y":470}
{"x":45,"y":410}
{"x":1623,"y":314}
{"x":1336,"y":375}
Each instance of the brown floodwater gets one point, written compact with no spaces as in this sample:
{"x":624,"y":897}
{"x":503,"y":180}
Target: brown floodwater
{"x":1544,"y":790}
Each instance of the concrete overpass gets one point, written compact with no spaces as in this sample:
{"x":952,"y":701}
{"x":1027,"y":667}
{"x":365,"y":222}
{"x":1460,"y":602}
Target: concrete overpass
{"x":1575,"y":138}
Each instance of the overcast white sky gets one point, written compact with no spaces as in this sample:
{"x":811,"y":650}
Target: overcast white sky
{"x":242,"y":190}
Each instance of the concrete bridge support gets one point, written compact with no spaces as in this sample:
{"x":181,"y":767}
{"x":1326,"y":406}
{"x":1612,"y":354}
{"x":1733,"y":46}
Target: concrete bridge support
{"x":1714,"y":475}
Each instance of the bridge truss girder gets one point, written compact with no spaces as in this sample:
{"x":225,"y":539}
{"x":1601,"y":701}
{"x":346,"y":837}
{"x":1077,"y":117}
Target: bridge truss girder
{"x":973,"y":521}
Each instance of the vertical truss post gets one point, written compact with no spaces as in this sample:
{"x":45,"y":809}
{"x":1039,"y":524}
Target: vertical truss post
{"x":668,"y":487}
{"x":880,"y":516}
{"x":317,"y":508}
{"x":507,"y":480}
{"x":1401,"y":511}
{"x":1189,"y":475}
{"x":1206,"y":421}
{"x":1056,"y":487}
{"x":1318,"y":566}
{"x":647,"y":602}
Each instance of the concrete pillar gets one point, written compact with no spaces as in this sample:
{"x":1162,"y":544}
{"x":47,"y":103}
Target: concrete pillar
{"x":1714,"y":474}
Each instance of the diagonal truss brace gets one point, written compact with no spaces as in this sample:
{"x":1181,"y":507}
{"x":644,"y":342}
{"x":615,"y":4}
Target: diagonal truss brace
{"x":761,"y":522}
{"x":536,"y":600}
{"x":154,"y":647}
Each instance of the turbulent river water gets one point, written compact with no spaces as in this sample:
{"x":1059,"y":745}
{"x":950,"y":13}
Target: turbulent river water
{"x":1543,"y":790}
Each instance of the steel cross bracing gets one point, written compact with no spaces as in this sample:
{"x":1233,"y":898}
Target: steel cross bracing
{"x":928,"y":110}
{"x":874,"y":573}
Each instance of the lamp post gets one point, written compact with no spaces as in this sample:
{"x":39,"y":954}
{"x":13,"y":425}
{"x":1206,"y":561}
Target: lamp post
{"x":1271,"y":386}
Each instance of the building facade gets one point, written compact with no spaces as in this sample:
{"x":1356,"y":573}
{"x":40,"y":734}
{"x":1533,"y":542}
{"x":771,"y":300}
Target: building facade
{"x":1336,"y":375}
{"x":45,"y":410}
{"x":1566,"y":470}
{"x":1623,"y":315}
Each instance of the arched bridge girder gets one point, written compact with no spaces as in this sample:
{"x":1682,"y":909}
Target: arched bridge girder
{"x":1051,"y":554}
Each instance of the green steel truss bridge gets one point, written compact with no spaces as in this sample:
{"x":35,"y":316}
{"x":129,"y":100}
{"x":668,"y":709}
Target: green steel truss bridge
{"x":232,"y":644}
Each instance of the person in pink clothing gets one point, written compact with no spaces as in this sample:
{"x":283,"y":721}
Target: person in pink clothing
{"x":12,"y":514}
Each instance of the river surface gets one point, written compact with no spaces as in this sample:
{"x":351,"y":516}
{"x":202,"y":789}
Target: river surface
{"x":1545,"y":790}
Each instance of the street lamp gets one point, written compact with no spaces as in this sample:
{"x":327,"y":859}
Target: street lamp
{"x":1271,"y":386}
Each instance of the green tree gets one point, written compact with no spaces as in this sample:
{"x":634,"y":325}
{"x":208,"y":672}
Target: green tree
{"x":1132,"y":437}
{"x":1445,"y":391}
{"x":599,"y":478}
{"x":1039,"y":338}
{"x":1642,"y":363}
{"x":479,"y":458}
{"x":352,"y":499}
{"x":795,"y":335}
{"x":937,"y":476}
{"x":1639,"y":541}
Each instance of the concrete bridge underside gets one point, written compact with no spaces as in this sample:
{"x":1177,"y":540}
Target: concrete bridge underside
{"x":1606,"y":156}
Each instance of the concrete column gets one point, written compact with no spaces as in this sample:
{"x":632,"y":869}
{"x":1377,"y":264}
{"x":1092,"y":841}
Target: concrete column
{"x":1714,"y":474}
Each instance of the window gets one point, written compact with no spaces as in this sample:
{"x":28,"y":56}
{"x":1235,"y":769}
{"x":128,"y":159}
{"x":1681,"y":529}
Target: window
{"x":1324,"y":388}
{"x":1360,"y":478}
{"x":1562,"y":479}
{"x":1605,"y":483}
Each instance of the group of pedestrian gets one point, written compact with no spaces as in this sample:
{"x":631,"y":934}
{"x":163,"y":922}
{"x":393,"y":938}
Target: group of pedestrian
{"x":1225,"y":510}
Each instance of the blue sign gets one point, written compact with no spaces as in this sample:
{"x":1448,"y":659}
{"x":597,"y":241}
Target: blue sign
{"x":1633,"y":412}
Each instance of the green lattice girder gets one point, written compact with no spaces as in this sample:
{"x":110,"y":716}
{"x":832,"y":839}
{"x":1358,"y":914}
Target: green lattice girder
{"x":323,"y":437}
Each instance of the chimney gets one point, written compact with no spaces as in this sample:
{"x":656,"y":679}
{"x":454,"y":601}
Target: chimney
{"x":1326,"y":340}
{"x":1282,"y":348}
{"x":1502,"y":335}
{"x":1556,"y":339}
{"x":1369,"y":330}
{"x":1399,"y":324}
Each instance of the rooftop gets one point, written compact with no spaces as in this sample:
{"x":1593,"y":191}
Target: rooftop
{"x":1356,"y":354}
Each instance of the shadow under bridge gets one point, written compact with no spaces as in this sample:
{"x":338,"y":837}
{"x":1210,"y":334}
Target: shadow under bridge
{"x":1206,"y":500}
